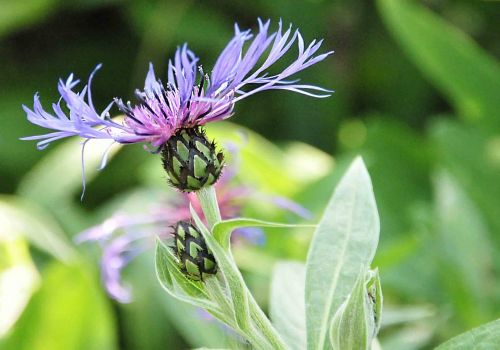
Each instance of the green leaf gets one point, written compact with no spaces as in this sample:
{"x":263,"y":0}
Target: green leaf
{"x":466,"y":251}
{"x":154,"y":318}
{"x":195,"y":327}
{"x":222,"y":230}
{"x":485,"y":337}
{"x":249,"y":318}
{"x":162,"y":264}
{"x":287,"y":307}
{"x":227,"y":296}
{"x":357,"y":321}
{"x":344,"y":243}
{"x":18,"y":279}
{"x":350,"y":329}
{"x":177,"y":284}
{"x":467,"y":75}
{"x":68,"y":312}
{"x":22,"y":217}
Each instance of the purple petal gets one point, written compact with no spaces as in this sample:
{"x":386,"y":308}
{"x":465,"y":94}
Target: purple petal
{"x":227,"y":62}
{"x":151,"y":84}
{"x":281,"y":44}
{"x":116,"y":256}
{"x":80,"y":120}
{"x":182,"y":72}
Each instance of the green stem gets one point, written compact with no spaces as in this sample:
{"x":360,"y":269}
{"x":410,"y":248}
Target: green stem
{"x":216,"y":292}
{"x":209,"y":205}
{"x":264,"y":325}
{"x":215,"y":289}
{"x":268,"y":335}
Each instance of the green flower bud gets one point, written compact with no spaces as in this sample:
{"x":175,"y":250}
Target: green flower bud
{"x":357,"y":321}
{"x":191,"y":160}
{"x":196,"y":260}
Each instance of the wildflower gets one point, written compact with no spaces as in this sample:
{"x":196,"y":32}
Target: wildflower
{"x":190,"y":99}
{"x":124,"y":236}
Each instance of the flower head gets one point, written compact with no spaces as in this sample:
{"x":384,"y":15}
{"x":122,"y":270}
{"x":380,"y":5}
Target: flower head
{"x":189,"y":98}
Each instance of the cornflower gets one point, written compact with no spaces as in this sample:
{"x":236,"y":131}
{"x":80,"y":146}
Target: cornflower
{"x":168,"y":118}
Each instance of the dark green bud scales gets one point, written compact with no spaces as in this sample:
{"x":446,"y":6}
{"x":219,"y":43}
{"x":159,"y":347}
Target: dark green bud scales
{"x":196,"y":260}
{"x":191,"y":160}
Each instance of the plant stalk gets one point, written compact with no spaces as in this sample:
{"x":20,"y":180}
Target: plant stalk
{"x":209,"y":205}
{"x":268,"y":335}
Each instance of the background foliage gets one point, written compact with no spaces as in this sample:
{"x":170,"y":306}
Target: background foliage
{"x":417,"y":95}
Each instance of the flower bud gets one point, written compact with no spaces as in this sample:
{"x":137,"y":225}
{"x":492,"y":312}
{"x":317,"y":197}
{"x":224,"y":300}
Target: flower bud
{"x":196,"y":260}
{"x":357,"y":321}
{"x":191,"y":160}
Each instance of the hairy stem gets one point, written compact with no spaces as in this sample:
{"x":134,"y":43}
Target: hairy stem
{"x":262,"y":334}
{"x":209,"y":205}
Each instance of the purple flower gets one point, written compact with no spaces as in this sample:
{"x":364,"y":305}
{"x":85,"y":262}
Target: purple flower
{"x":189,"y":98}
{"x":123,"y":236}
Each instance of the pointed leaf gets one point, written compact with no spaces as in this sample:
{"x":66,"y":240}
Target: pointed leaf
{"x":222,"y":230}
{"x":484,"y":337}
{"x":349,"y":329}
{"x":344,"y":243}
{"x":287,"y":307}
{"x":177,"y":284}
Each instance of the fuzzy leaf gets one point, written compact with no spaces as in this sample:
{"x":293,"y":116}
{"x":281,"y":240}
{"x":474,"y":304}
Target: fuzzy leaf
{"x":351,"y":328}
{"x":287,"y":308}
{"x":177,"y":284}
{"x":222,"y":230}
{"x":484,"y":337}
{"x":343,"y":245}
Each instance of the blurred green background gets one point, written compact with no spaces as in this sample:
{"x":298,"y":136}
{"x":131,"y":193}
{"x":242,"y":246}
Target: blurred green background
{"x":417,"y":94}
